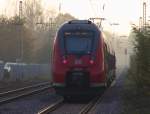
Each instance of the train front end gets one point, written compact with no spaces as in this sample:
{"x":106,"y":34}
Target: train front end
{"x":78,"y":59}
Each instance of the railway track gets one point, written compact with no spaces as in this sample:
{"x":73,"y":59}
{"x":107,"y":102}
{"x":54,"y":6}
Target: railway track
{"x":84,"y":108}
{"x":52,"y":107}
{"x":60,"y":105}
{"x":89,"y":106}
{"x":22,"y":92}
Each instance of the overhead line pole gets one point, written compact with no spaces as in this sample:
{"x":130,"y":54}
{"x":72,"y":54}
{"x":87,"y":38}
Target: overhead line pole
{"x":140,"y":23}
{"x":20,"y":33}
{"x":144,"y":15}
{"x":59,"y":8}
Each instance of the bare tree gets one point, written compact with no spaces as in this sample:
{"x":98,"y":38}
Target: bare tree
{"x":32,"y":12}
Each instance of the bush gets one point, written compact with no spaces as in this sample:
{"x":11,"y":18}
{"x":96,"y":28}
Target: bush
{"x":140,"y":61}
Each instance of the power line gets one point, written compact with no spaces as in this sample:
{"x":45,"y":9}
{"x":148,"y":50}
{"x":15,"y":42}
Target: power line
{"x":99,"y":8}
{"x":93,"y":9}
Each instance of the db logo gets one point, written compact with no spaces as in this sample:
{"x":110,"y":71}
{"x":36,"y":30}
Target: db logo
{"x":78,"y":62}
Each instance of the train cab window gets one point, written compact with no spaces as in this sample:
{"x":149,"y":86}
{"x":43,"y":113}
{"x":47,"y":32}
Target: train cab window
{"x":78,"y":42}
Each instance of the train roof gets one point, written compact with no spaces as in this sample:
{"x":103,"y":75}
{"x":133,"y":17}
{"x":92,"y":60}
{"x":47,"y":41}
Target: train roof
{"x":79,"y":25}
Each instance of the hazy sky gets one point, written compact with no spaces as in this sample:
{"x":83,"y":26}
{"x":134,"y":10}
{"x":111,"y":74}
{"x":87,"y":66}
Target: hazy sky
{"x":123,"y":12}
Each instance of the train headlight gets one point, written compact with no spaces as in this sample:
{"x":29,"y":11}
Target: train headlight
{"x":91,"y":62}
{"x":64,"y":61}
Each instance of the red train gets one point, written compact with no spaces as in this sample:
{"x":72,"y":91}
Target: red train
{"x":83,"y":60}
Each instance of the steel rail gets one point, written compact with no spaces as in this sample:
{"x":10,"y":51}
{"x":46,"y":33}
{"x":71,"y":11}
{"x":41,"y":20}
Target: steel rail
{"x":24,"y":88}
{"x":89,"y":106}
{"x":51,"y":107}
{"x":9,"y":99}
{"x":85,"y":110}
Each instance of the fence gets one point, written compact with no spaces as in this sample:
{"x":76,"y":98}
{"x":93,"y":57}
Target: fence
{"x":1,"y":70}
{"x":24,"y":72}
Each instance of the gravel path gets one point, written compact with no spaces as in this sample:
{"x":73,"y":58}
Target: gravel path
{"x":31,"y":104}
{"x":111,"y":100}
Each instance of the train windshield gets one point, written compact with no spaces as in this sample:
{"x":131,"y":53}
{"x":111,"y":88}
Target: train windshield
{"x":78,"y":42}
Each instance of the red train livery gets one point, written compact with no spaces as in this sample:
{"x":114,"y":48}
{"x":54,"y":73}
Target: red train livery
{"x":83,"y":61}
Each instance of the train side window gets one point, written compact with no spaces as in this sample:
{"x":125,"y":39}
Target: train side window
{"x":105,"y":49}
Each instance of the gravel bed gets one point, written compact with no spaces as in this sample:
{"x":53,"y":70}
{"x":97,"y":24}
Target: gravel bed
{"x":31,"y":104}
{"x":111,"y":102}
{"x":69,"y":108}
{"x":7,"y":86}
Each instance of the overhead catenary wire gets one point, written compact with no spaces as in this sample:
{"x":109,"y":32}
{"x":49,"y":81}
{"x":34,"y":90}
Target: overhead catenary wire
{"x":96,"y":7}
{"x":92,"y":8}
